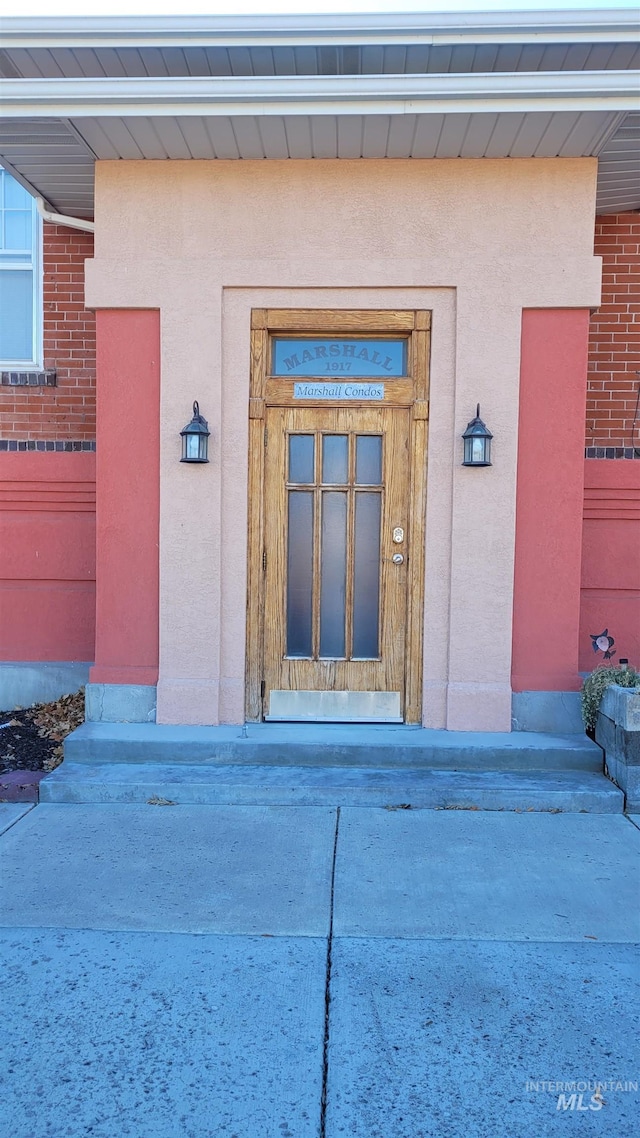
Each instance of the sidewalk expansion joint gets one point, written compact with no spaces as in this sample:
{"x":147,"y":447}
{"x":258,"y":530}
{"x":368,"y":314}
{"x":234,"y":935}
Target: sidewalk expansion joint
{"x":327,"y":988}
{"x":6,"y":826}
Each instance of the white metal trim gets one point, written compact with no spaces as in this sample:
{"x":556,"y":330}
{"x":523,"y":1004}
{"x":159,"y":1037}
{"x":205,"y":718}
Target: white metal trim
{"x":326,"y":94}
{"x":593,"y":26}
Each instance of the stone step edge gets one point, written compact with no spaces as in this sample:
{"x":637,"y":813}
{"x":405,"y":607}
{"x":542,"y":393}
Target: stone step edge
{"x":551,"y":753}
{"x":333,"y":745}
{"x":564,"y":791}
{"x":577,"y":765}
{"x":318,"y":735}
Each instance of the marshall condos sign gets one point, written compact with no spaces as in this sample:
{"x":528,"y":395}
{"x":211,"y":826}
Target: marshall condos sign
{"x":338,"y":391}
{"x":339,"y":360}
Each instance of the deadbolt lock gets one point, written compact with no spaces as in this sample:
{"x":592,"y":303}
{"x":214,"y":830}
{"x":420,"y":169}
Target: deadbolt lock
{"x":398,"y":535}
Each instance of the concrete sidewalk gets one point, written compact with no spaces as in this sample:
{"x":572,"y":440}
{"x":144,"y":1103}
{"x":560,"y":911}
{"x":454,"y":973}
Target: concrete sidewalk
{"x":289,"y":972}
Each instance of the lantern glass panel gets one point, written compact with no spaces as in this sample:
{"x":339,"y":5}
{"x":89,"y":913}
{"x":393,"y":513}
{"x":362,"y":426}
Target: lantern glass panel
{"x":192,"y":446}
{"x":478,"y":450}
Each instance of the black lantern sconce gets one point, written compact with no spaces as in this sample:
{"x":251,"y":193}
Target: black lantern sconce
{"x":477,"y":443}
{"x":195,"y":438}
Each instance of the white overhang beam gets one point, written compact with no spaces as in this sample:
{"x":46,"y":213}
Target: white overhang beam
{"x":443,"y":28}
{"x":323,"y":95}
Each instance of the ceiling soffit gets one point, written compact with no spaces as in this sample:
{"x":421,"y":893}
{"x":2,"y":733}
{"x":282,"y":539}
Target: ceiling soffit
{"x":377,"y":86}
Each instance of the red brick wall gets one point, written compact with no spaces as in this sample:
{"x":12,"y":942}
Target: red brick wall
{"x":66,"y":412}
{"x":614,"y":344}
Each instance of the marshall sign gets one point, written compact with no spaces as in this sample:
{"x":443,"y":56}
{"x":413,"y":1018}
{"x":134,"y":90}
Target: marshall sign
{"x":340,"y":358}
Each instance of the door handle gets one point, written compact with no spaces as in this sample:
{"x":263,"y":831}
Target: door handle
{"x":398,"y":558}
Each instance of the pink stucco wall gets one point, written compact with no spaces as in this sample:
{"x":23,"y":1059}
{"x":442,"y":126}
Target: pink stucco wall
{"x":546,"y":599}
{"x":475,"y":241}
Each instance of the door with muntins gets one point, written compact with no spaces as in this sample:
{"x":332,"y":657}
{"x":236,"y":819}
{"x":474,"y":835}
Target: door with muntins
{"x":338,"y":410}
{"x":336,"y":547}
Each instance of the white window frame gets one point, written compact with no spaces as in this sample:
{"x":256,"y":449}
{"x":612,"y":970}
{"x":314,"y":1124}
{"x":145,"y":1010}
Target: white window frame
{"x":35,"y":363}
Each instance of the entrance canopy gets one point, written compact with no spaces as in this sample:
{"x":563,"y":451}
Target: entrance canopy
{"x":455,"y":85}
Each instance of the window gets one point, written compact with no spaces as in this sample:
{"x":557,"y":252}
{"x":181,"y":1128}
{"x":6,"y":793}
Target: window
{"x":20,"y":291}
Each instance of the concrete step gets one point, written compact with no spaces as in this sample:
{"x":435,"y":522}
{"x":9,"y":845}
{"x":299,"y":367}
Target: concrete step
{"x":331,"y":745}
{"x":270,"y":784}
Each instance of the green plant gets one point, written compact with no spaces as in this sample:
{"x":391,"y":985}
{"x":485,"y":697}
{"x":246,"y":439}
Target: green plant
{"x":596,"y":684}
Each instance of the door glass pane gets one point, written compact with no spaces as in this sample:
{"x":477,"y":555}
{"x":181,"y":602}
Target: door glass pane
{"x":369,"y":460}
{"x":16,"y":306}
{"x":301,"y":448}
{"x":335,"y":458}
{"x":300,"y":573}
{"x":333,"y":580}
{"x":366,"y":575}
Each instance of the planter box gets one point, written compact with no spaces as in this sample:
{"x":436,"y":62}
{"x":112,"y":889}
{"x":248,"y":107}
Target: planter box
{"x":618,"y":733}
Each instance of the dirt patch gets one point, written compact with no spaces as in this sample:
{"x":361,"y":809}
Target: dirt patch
{"x":31,"y":739}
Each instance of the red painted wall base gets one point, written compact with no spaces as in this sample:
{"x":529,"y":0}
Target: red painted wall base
{"x":611,"y":558}
{"x":47,"y":556}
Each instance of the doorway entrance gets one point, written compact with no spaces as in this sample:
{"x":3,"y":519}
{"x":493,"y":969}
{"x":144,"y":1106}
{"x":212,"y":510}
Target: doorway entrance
{"x":337,"y":493}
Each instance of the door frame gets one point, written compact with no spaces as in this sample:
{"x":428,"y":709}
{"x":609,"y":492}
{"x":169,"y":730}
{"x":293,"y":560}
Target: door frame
{"x":416,"y":324}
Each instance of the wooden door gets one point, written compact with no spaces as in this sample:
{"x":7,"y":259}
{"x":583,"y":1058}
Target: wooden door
{"x":336,"y":545}
{"x":338,"y":412}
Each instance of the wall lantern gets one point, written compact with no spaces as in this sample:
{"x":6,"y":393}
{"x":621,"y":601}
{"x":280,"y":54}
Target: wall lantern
{"x":195,"y":438}
{"x":477,"y":443}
